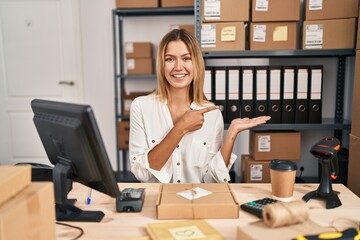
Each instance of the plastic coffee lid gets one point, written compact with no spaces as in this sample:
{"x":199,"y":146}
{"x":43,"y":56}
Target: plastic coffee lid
{"x":282,"y":165}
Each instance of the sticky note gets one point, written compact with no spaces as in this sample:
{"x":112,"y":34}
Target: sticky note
{"x":280,"y":34}
{"x":228,"y":34}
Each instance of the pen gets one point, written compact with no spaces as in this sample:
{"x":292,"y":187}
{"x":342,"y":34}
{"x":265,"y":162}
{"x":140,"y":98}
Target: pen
{"x":88,"y":199}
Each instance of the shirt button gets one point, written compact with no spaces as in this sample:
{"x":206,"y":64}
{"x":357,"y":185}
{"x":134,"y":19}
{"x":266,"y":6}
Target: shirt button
{"x":204,"y":143}
{"x":225,"y":180}
{"x":178,"y":181}
{"x":178,"y":164}
{"x":134,"y":158}
{"x":153,"y":141}
{"x":177,"y":146}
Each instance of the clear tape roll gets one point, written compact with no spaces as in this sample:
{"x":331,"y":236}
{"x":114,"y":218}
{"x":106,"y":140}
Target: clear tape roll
{"x":285,"y":213}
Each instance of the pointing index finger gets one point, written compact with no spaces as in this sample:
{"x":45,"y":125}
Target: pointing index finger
{"x":208,"y":109}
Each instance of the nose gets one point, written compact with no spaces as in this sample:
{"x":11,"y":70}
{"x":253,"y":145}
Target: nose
{"x":178,"y":64}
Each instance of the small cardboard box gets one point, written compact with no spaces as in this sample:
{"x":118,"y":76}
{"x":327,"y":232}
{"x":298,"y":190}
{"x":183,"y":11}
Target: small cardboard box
{"x":329,"y":34}
{"x":138,"y":50}
{"x":225,"y":11}
{"x":254,"y":171}
{"x":354,"y":164}
{"x":13,"y":179}
{"x":128,"y":98}
{"x":275,"y":10}
{"x":273,"y":36}
{"x":123,"y":134}
{"x":176,"y":3}
{"x":269,"y":145}
{"x":30,"y":214}
{"x":137,"y":3}
{"x":228,"y":36}
{"x":139,"y":66}
{"x":331,"y":9}
{"x":220,"y":203}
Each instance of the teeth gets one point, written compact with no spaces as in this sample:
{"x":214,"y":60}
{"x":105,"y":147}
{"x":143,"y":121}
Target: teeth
{"x":179,"y":75}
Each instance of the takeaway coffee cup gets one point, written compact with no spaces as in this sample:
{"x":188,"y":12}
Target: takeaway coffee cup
{"x":282,"y":176}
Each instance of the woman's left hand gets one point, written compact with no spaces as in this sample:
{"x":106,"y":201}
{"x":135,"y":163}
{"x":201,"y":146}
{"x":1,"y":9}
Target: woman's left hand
{"x":241,"y":124}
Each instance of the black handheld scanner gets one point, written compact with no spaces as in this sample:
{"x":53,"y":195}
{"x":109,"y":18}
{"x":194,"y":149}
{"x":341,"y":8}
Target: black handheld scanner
{"x":328,"y":148}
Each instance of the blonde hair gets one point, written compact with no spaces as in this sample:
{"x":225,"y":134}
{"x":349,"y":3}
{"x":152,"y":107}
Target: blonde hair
{"x":196,"y":92}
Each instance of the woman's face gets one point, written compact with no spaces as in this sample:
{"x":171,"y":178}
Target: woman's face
{"x":179,"y":69}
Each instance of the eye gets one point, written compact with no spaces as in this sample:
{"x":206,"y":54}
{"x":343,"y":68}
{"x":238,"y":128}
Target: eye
{"x":187,"y":59}
{"x":169,"y":59}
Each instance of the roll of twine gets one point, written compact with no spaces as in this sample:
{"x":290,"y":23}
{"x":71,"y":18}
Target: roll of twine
{"x":285,"y":213}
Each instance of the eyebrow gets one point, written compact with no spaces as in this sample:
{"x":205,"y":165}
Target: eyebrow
{"x":171,"y":55}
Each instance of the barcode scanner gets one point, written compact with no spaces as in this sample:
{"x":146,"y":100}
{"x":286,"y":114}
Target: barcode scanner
{"x":326,"y":151}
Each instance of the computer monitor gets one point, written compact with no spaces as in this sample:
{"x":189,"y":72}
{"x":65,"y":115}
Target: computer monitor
{"x":73,"y":144}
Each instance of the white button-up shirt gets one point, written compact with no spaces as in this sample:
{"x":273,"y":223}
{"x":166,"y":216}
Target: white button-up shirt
{"x":197,"y":157}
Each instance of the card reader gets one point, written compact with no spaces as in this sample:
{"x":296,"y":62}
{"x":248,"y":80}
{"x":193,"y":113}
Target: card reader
{"x":130,"y":200}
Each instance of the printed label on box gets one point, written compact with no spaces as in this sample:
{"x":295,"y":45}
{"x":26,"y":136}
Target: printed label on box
{"x":129,"y":47}
{"x":314,"y":36}
{"x":208,"y":35}
{"x":212,"y":9}
{"x":264,"y":143}
{"x":261,"y":5}
{"x":259,"y":33}
{"x":315,"y":4}
{"x":130,"y":64}
{"x":256,"y":172}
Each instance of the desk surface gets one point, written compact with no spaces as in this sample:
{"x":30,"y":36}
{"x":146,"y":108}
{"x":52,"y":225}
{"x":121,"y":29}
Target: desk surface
{"x":126,"y":225}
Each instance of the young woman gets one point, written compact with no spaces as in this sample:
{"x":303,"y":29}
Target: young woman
{"x":176,"y":134}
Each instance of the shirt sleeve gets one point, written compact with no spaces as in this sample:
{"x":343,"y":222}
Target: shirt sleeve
{"x":139,"y":149}
{"x":216,"y":170}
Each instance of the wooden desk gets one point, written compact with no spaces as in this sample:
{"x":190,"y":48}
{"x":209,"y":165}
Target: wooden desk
{"x":125,"y":225}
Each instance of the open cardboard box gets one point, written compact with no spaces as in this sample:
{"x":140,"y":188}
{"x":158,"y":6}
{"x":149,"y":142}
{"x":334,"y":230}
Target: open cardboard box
{"x":220,"y":203}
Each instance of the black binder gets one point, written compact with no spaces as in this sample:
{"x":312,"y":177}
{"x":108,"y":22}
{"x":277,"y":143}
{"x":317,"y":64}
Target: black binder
{"x":220,"y":90}
{"x":261,"y":101}
{"x":209,"y":84}
{"x":247,"y":92}
{"x":274,"y":97}
{"x":301,"y":94}
{"x":315,"y":98}
{"x":233,"y":104}
{"x":288,"y":101}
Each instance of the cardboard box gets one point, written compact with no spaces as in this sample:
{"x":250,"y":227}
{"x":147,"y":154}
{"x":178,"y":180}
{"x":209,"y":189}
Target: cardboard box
{"x":176,"y":3}
{"x":226,"y":11}
{"x":331,"y":9}
{"x":354,"y":164}
{"x":128,"y":98}
{"x":229,"y":36}
{"x":13,"y":179}
{"x":358,"y":35}
{"x":259,"y":230}
{"x":254,"y":171}
{"x":139,"y":66}
{"x":138,"y":50}
{"x":355,"y":118}
{"x":329,"y":34}
{"x":220,"y":203}
{"x":269,"y":145}
{"x":275,"y":10}
{"x":188,"y":27}
{"x":273,"y":36}
{"x":123,"y":134}
{"x":30,"y":214}
{"x":137,"y":3}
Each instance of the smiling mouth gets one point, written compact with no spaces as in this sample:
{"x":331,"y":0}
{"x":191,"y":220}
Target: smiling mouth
{"x":179,"y":75}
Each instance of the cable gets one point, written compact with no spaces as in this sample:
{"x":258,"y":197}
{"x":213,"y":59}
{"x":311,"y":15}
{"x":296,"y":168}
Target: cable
{"x":71,"y":226}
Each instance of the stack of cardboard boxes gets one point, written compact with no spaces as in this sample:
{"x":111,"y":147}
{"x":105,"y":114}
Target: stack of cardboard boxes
{"x":274,"y":25}
{"x":223,"y":25}
{"x":27,"y":209}
{"x":153,"y":3}
{"x":265,"y":146}
{"x":330,"y":24}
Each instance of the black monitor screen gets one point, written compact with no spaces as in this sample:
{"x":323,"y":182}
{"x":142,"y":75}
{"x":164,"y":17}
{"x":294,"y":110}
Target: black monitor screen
{"x":73,"y":144}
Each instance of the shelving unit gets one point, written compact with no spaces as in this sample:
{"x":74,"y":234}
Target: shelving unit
{"x":119,"y":16}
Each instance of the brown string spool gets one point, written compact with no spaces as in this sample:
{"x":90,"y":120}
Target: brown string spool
{"x":285,"y":213}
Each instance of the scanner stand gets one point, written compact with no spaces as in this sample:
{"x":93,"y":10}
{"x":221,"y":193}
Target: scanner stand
{"x":325,"y":190}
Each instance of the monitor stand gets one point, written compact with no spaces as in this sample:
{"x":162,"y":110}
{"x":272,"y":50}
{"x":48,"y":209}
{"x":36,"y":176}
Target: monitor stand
{"x":65,"y":208}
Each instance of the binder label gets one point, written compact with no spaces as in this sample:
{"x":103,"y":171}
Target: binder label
{"x":315,"y":93}
{"x":302,"y":84}
{"x":212,"y":10}
{"x":220,"y":85}
{"x":275,"y":84}
{"x":207,"y":84}
{"x":261,"y":85}
{"x":264,"y":143}
{"x":233,"y":84}
{"x":289,"y":84}
{"x":247,"y":88}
